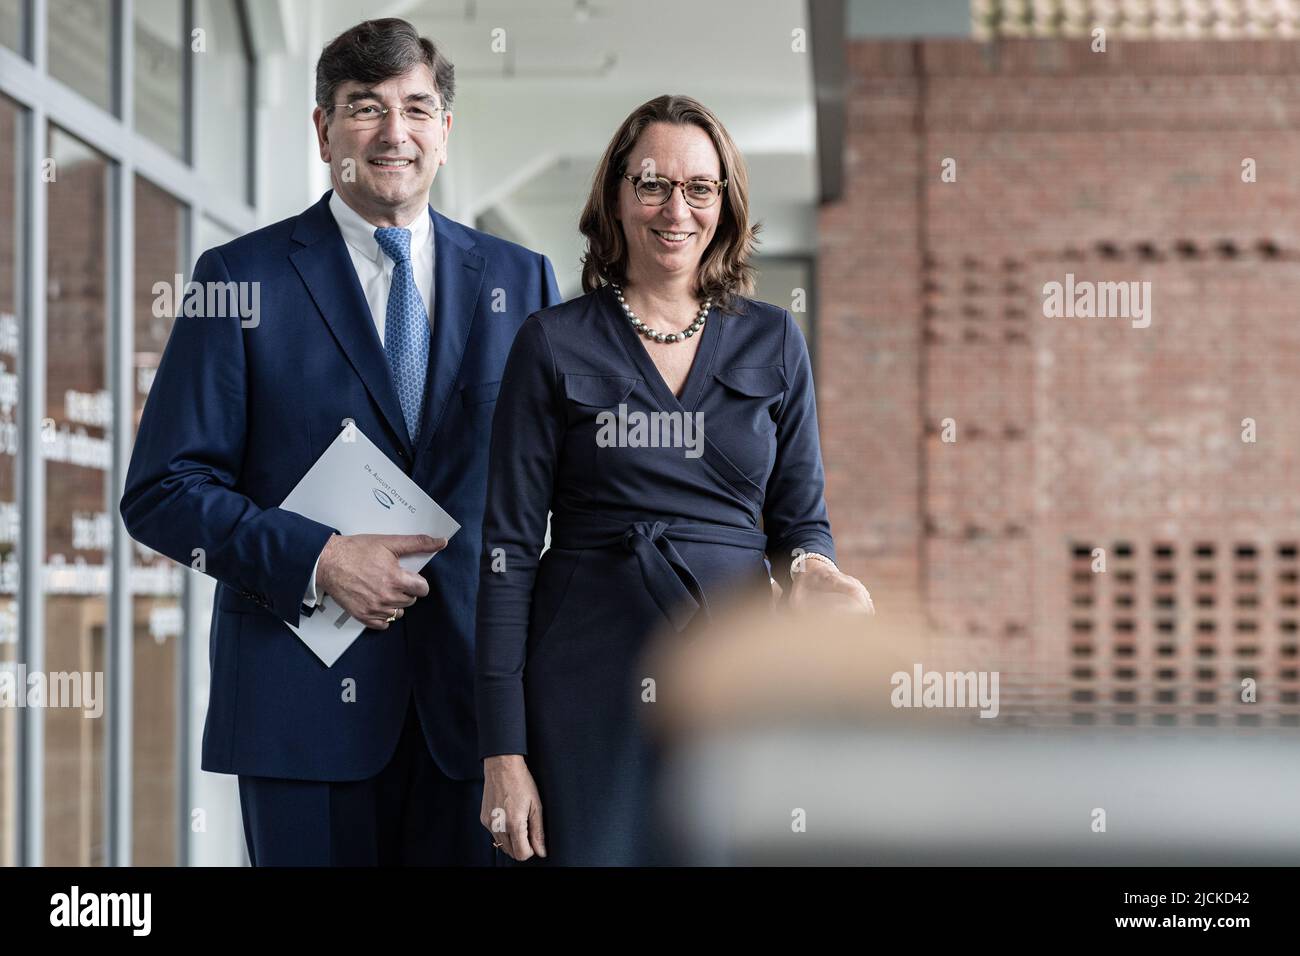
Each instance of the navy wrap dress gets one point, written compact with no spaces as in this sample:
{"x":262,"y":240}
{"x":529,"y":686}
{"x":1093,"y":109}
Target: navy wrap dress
{"x":641,"y":538}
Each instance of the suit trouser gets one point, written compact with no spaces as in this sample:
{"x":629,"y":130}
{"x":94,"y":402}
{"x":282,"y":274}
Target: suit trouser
{"x":409,"y":814}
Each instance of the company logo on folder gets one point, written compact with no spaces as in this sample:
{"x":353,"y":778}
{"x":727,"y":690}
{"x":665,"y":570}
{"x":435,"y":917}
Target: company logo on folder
{"x":351,"y":471}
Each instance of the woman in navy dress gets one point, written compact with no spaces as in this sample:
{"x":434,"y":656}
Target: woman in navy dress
{"x":668,"y":424}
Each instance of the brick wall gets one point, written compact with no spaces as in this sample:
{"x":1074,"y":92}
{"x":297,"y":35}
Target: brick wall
{"x":1073,"y":433}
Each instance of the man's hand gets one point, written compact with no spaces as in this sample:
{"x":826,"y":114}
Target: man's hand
{"x":512,"y":809}
{"x":360,"y":572}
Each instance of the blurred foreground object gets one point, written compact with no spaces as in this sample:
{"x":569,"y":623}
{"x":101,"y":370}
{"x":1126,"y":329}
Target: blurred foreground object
{"x":785,"y":747}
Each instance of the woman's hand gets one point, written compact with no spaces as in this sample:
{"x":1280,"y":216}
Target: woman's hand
{"x":822,"y":584}
{"x":512,"y":809}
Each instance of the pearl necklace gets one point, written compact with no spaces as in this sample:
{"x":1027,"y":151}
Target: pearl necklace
{"x":662,"y":336}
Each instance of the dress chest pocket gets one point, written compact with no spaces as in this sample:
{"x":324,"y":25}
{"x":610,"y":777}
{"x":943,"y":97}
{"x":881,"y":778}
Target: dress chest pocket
{"x":591,"y":400}
{"x":744,"y":422}
{"x":759,"y":381}
{"x":755,"y":391}
{"x":597,"y":391}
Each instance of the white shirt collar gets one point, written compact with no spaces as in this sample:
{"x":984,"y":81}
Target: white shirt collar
{"x":360,"y":234}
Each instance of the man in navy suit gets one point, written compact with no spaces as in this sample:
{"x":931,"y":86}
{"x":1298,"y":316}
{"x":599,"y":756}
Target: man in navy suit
{"x":376,"y":311}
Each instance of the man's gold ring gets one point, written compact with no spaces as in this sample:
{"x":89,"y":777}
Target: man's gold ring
{"x":391,"y":618}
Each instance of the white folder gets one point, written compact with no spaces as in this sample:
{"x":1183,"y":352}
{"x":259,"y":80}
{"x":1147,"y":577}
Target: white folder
{"x":357,"y":489}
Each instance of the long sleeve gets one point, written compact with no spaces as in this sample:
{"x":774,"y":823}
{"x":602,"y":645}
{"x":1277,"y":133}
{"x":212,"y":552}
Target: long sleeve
{"x":794,"y":511}
{"x":180,"y":497}
{"x":527,"y":429}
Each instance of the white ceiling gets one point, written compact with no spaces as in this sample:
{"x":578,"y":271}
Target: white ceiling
{"x":532,"y":119}
{"x":666,"y":41}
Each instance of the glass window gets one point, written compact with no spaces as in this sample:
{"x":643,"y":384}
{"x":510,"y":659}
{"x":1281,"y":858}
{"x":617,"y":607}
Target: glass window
{"x":80,"y":47}
{"x":10,"y":197}
{"x":156,"y":581}
{"x":224,"y":71}
{"x":13,"y":24}
{"x":158,"y":72}
{"x":75,"y":446}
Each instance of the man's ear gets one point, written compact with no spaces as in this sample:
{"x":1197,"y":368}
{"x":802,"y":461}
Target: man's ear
{"x":446,"y":140}
{"x":321,"y":122}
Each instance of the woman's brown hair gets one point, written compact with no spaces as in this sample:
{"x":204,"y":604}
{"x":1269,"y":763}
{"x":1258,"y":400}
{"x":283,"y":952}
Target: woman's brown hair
{"x":724,"y":269}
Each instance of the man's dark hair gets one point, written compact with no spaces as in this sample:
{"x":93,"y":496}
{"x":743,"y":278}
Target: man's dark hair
{"x":379,"y":50}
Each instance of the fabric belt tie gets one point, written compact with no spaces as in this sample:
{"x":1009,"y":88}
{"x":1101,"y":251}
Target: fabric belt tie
{"x":668,"y":578}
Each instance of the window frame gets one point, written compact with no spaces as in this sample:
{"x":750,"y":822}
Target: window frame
{"x":45,"y":102}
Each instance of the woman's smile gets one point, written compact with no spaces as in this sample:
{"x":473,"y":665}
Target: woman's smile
{"x":673,"y":240}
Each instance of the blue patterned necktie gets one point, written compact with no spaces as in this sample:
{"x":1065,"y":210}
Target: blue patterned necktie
{"x":406,"y":328}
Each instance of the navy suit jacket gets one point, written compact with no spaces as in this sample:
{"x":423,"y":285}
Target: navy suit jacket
{"x":239,"y":410}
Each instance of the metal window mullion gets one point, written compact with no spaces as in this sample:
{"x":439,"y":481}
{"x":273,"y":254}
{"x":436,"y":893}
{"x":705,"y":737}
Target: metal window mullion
{"x":31,"y":477}
{"x":36,"y":35}
{"x":252,"y":97}
{"x":31,"y":481}
{"x":122,"y":62}
{"x":188,"y":83}
{"x":120,"y":661}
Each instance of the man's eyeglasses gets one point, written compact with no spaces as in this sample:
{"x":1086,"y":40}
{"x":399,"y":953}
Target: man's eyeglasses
{"x":365,"y":114}
{"x":655,"y":190}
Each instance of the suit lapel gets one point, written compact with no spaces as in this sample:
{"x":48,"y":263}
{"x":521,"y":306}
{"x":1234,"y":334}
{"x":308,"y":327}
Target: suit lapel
{"x":458,"y":277}
{"x":327,"y":270}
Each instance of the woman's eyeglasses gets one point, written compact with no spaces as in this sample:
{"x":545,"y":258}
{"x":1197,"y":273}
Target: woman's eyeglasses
{"x":655,"y":190}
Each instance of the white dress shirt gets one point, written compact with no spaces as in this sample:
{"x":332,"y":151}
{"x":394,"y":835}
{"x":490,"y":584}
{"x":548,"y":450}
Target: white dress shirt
{"x":375,"y":273}
{"x":375,"y":269}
